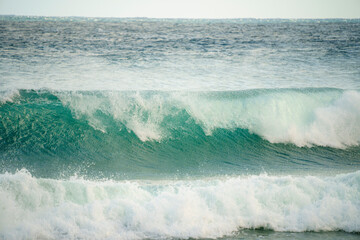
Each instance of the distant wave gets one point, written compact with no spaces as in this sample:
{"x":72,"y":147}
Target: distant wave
{"x":43,"y":208}
{"x":303,"y":117}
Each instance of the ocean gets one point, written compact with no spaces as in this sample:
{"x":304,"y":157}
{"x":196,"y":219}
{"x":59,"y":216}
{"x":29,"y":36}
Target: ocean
{"x":140,"y":128}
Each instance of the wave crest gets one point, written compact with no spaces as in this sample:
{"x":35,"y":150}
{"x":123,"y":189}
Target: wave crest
{"x":323,"y":117}
{"x":303,"y":117}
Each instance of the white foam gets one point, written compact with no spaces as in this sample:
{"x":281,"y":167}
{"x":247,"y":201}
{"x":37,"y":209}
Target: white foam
{"x":8,"y":95}
{"x":301,"y":118}
{"x":304,"y":118}
{"x":44,"y":208}
{"x":141,"y":115}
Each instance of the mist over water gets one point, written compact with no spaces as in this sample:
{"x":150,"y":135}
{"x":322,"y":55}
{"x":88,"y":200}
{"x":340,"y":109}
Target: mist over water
{"x":170,"y":128}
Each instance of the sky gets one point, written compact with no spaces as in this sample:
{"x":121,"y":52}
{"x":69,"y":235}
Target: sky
{"x":185,"y":8}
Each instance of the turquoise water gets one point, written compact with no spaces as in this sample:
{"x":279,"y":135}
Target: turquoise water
{"x":127,"y":135}
{"x":178,"y":129}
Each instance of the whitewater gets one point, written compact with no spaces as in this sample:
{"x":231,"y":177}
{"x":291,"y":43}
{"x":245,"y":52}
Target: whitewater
{"x":177,"y":209}
{"x":179,"y":129}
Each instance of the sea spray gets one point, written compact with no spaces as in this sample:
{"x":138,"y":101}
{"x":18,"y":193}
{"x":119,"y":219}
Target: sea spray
{"x":204,"y":208}
{"x":159,"y":134}
{"x":304,"y":117}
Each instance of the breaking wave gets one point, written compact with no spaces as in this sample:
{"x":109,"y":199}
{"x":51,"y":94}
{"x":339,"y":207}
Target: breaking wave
{"x":303,"y":117}
{"x":204,"y":208}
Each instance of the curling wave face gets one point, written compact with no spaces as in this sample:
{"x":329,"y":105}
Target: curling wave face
{"x":303,"y":117}
{"x":151,"y":133}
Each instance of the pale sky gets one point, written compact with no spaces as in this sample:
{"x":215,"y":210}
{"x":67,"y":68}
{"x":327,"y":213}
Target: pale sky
{"x":185,"y":8}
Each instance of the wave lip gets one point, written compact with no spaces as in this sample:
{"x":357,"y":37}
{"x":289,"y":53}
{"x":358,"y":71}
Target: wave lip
{"x":207,"y":208}
{"x":304,"y":117}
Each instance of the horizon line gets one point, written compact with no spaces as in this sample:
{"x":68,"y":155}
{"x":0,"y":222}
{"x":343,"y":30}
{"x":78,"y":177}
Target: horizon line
{"x":185,"y":18}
